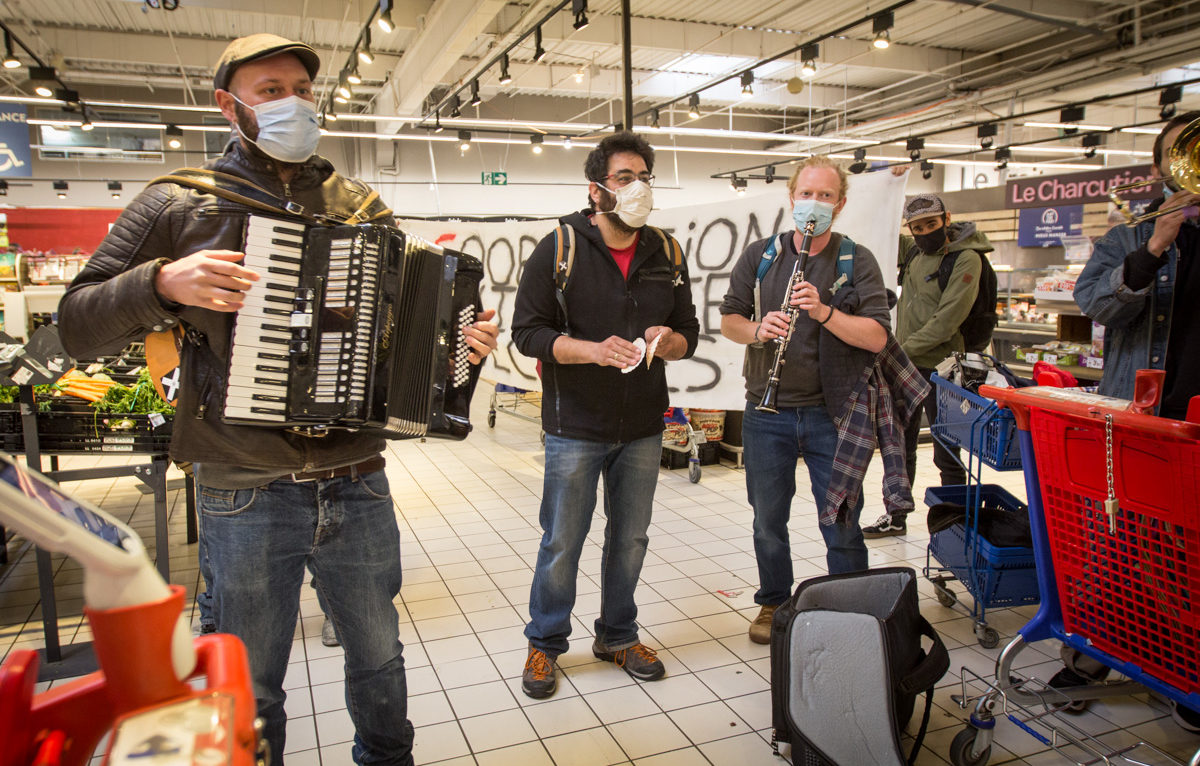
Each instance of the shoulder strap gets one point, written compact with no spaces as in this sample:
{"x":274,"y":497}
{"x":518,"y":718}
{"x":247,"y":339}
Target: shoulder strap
{"x":768,"y":257}
{"x":946,"y":267}
{"x":564,"y":261}
{"x":244,"y":192}
{"x":674,"y":254}
{"x":845,"y":263}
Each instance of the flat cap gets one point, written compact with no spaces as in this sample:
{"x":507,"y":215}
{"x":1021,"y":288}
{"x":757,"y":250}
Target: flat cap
{"x":923,"y":206}
{"x":260,"y":46}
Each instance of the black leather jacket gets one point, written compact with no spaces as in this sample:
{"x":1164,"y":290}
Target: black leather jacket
{"x":113,"y":302}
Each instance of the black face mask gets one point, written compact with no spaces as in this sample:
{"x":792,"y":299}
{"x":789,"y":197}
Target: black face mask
{"x":931,"y":243}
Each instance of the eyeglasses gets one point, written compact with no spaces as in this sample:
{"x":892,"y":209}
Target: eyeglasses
{"x":625,"y":177}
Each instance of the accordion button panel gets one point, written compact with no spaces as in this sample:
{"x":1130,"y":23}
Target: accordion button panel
{"x":258,"y":365}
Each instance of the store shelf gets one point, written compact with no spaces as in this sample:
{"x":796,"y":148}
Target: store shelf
{"x":1087,"y":374}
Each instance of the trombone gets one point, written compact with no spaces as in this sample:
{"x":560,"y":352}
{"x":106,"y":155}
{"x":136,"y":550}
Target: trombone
{"x":1184,"y":166}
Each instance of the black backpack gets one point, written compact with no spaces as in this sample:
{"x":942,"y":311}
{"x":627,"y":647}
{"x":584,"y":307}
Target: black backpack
{"x":977,"y":328}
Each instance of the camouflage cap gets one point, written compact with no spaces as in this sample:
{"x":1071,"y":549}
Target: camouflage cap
{"x":923,"y":206}
{"x":260,"y":46}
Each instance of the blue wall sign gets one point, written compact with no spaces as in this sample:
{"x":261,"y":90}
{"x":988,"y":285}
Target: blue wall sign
{"x":1045,"y":226}
{"x":15,"y":157}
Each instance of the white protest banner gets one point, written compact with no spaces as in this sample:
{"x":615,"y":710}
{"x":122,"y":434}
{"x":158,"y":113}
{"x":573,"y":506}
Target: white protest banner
{"x":712,"y":236}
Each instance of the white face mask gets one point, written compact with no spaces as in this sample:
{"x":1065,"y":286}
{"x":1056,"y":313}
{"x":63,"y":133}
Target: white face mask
{"x":288,"y":129}
{"x":635,"y":200}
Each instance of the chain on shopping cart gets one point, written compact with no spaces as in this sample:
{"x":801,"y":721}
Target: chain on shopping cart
{"x":1110,"y":503}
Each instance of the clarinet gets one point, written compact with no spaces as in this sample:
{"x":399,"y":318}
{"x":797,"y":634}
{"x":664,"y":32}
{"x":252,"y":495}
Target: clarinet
{"x":771,"y":394}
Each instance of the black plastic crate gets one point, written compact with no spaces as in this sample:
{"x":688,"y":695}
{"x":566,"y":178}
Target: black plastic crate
{"x":708,"y":453}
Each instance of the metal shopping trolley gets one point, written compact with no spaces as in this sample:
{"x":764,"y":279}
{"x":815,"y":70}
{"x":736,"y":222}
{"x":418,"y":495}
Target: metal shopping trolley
{"x":1116,"y":528}
{"x":994,"y":575}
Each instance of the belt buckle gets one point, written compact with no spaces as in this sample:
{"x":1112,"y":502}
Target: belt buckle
{"x":300,"y":478}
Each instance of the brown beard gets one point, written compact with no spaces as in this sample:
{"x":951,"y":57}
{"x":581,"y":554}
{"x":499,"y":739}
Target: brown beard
{"x":608,"y":203}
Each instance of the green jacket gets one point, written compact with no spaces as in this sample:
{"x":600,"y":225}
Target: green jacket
{"x":927,"y":318}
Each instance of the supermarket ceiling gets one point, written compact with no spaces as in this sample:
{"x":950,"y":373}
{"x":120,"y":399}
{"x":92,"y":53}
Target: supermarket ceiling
{"x":951,"y":67}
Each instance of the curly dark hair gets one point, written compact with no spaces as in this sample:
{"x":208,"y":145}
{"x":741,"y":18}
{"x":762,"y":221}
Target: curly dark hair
{"x":1174,"y":122}
{"x":595,"y":167}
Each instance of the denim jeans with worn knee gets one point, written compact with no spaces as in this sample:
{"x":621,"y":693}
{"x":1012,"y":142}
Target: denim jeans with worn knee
{"x":573,"y":469}
{"x":772,"y":443}
{"x":258,"y":542}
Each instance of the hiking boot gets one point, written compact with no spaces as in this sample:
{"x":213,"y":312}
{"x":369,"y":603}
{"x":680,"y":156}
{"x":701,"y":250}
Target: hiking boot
{"x":885,"y":526}
{"x":328,"y":634}
{"x":760,"y":629}
{"x":639,"y":661}
{"x":538,"y":680}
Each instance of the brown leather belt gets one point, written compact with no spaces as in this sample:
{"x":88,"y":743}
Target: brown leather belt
{"x":370,"y":465}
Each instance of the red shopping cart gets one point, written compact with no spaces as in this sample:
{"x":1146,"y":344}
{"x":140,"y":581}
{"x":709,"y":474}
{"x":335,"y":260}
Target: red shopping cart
{"x":1114,"y":509}
{"x":164,"y":698}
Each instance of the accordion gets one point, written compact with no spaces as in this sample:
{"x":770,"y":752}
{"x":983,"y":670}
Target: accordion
{"x":357,"y":327}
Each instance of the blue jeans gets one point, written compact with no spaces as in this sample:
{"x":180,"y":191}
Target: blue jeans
{"x":772,"y":443}
{"x":258,"y":542}
{"x":573,"y":467}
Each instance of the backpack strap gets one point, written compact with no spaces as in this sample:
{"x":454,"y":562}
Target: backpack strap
{"x":674,"y":254}
{"x":770,"y":252}
{"x":564,"y":261}
{"x":946,"y":268}
{"x":845,"y":264}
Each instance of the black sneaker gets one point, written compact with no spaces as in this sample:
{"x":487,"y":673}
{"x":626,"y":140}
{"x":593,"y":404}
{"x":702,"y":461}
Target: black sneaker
{"x":639,"y":661}
{"x":538,"y":680}
{"x":885,"y":526}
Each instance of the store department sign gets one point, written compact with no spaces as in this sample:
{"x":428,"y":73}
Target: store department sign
{"x":1079,"y":188}
{"x":712,"y":237}
{"x":1046,"y":226}
{"x":16,"y":161}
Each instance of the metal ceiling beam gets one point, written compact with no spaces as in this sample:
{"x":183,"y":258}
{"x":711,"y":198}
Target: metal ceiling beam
{"x":1031,"y":16}
{"x":405,"y":13}
{"x":450,"y":30}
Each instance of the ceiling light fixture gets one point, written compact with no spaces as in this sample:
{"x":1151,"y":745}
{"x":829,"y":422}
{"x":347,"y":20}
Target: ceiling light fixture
{"x":115,"y":188}
{"x":3,"y":188}
{"x":748,"y":83}
{"x":694,"y":106}
{"x":1003,"y":155}
{"x":537,"y":140}
{"x":1068,"y":126}
{"x":654,"y":118}
{"x":926,"y":169}
{"x":769,"y":174}
{"x":809,"y":55}
{"x":464,"y":140}
{"x":364,"y":53}
{"x":10,"y":60}
{"x":881,"y":25}
{"x":579,"y":9}
{"x":1089,"y":143}
{"x":1167,"y":100}
{"x":987,"y":135}
{"x":505,"y":77}
{"x":914,"y":147}
{"x":860,"y":160}
{"x":384,"y":22}
{"x":455,"y":112}
{"x":60,"y":188}
{"x":174,"y":136}
{"x":43,"y":78}
{"x":343,"y":90}
{"x":566,"y":142}
{"x":739,"y":186}
{"x":352,"y":76}
{"x":331,"y":115}
{"x":86,"y":126}
{"x":539,"y":52}
{"x":579,"y":73}
{"x":1070,"y":117}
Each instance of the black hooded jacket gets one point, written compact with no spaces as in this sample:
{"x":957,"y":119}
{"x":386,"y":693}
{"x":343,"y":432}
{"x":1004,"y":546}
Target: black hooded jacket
{"x":588,"y":401}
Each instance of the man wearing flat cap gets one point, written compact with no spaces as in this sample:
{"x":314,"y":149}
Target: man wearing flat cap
{"x":271,"y":500}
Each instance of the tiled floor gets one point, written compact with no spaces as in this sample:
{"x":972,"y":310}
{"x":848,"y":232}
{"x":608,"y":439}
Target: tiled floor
{"x":468,"y":517}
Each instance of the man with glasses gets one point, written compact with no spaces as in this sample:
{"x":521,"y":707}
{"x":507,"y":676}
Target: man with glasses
{"x":601,"y":305}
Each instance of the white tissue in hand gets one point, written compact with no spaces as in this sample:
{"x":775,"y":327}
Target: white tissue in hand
{"x":651,"y":349}
{"x":641,"y":347}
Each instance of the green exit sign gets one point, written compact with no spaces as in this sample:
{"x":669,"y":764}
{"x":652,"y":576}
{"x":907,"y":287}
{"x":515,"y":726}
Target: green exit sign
{"x":495,"y":178}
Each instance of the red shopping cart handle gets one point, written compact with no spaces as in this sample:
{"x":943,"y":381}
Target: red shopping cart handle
{"x":1094,"y":406}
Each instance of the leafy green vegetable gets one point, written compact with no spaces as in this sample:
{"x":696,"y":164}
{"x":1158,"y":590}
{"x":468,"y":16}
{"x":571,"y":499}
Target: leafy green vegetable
{"x":138,"y":399}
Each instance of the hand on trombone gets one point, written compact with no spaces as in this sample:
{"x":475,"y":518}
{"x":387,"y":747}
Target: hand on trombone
{"x":1166,"y":227}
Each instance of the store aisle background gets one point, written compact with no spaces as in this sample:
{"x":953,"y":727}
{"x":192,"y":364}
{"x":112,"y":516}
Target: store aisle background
{"x":468,"y":515}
